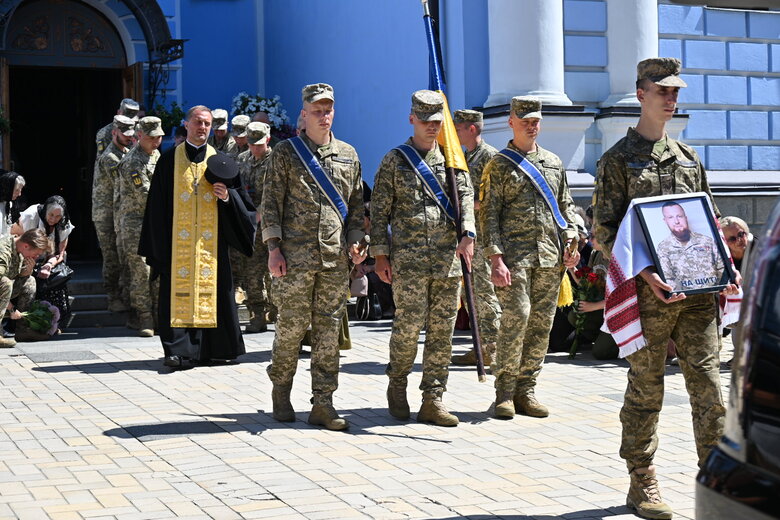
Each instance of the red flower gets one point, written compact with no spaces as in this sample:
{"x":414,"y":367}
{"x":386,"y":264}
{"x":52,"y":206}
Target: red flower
{"x":593,"y":277}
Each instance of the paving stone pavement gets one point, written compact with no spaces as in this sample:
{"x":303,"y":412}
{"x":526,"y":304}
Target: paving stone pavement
{"x":92,"y":426}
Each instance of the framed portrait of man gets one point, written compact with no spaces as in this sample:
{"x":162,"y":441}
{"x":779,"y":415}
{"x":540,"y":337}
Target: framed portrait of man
{"x":685,"y":243}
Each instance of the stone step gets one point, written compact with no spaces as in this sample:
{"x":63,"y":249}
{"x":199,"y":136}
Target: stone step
{"x":89,"y":302}
{"x":79,"y":286}
{"x":98,"y":318}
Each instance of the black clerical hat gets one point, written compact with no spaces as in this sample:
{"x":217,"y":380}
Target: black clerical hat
{"x":220,"y":168}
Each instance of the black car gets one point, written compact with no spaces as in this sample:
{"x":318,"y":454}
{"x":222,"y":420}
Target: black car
{"x":741,"y":478}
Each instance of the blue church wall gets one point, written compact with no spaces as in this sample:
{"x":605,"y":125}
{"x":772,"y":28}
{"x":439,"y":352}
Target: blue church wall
{"x":373,"y":53}
{"x":731,"y":64}
{"x":221,"y":57}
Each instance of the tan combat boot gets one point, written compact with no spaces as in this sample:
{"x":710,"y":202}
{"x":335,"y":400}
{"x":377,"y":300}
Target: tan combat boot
{"x":117,"y":305}
{"x":644,"y":497}
{"x":470,"y":358}
{"x":146,"y":325}
{"x":257,"y":323}
{"x":526,"y":404}
{"x":505,"y":407}
{"x":7,"y":342}
{"x":433,"y":411}
{"x":396,"y":401}
{"x":240,"y":295}
{"x":283,"y":410}
{"x":325,"y":415}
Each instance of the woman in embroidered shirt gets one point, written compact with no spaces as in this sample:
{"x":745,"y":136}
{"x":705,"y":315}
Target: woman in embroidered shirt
{"x":52,"y":217}
{"x":11,"y":185}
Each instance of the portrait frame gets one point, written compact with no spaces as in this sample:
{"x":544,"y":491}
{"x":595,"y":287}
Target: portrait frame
{"x":700,"y":265}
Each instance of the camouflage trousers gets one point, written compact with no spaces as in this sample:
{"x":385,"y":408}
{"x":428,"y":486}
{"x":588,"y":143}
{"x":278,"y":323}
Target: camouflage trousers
{"x":430,"y":302}
{"x":304,"y":297}
{"x":257,"y":280}
{"x":142,"y":296}
{"x":528,"y":309}
{"x":22,"y":288}
{"x":239,"y":263}
{"x":691,"y":323}
{"x":488,"y":308}
{"x":112,"y":269}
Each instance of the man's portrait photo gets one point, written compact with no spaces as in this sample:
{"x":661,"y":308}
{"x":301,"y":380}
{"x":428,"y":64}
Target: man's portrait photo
{"x":682,"y":236}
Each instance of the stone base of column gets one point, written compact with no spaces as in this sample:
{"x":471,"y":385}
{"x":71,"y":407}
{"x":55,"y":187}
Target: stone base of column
{"x":613,"y":123}
{"x":563,"y":131}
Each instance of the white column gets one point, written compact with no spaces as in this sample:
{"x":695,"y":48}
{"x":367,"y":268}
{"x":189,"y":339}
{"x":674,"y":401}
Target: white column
{"x":632,"y":36}
{"x":526,"y":51}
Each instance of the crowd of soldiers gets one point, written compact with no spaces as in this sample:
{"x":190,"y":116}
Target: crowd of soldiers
{"x":517,"y":239}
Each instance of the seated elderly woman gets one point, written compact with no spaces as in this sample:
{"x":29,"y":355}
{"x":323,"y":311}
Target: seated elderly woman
{"x":739,"y":239}
{"x":51,"y":217}
{"x":11,"y":185}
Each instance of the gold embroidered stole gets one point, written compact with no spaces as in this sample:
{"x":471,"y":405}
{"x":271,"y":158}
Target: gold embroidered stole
{"x":194,"y":244}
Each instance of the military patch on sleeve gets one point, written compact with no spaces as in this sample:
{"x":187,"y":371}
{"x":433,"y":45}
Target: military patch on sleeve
{"x":137,"y":180}
{"x":100,"y":148}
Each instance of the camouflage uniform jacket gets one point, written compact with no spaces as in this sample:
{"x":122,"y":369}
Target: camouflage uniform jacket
{"x":631,"y":169}
{"x":237,"y":150}
{"x":252,"y":173}
{"x":515,"y":219}
{"x":477,"y":160}
{"x":104,"y":183}
{"x":295,"y":210}
{"x":11,"y":262}
{"x":134,"y":176}
{"x":226,"y":146}
{"x":423,"y":237}
{"x":694,"y":264}
{"x":103,"y":138}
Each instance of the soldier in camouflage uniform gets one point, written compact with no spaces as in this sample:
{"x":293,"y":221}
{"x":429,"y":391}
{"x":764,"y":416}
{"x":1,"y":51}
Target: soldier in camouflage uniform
{"x":220,"y":139}
{"x":103,"y":138}
{"x":308,"y":242}
{"x":468,"y":124}
{"x":524,"y":245}
{"x":647,"y":163}
{"x":421,"y":261}
{"x":103,"y":184}
{"x":238,"y":131}
{"x":17,"y":260}
{"x":689,"y":260}
{"x":251,"y":167}
{"x":238,"y":261}
{"x":134,"y":176}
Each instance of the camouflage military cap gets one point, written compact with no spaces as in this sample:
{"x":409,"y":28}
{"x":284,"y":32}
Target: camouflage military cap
{"x":219,"y":119}
{"x":428,"y":105}
{"x":125,"y":125}
{"x":467,"y":116}
{"x":129,"y":107}
{"x":239,"y":125}
{"x":257,"y":132}
{"x":661,"y":71}
{"x":151,"y":126}
{"x":527,"y":106}
{"x":317,"y":91}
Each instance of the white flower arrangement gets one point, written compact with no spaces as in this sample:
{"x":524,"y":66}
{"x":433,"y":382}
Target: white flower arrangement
{"x":249,"y":105}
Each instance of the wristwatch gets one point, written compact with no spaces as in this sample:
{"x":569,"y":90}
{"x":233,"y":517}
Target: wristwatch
{"x":471,"y":234}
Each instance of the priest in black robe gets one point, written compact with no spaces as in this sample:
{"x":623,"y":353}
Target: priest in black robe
{"x":220,"y":336}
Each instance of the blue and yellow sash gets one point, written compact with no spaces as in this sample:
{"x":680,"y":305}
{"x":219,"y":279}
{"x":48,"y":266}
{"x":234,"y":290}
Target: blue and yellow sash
{"x":539,"y":182}
{"x":322,"y":179}
{"x":430,"y":183}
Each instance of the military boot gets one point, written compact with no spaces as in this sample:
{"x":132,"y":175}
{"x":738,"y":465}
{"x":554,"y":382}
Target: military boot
{"x":7,"y":342}
{"x":526,"y":404}
{"x":117,"y":305}
{"x":257,"y":323}
{"x":505,"y":407}
{"x":145,"y":325}
{"x":644,"y":497}
{"x":433,"y":411}
{"x":396,"y":401}
{"x":325,"y":415}
{"x":470,"y":358}
{"x":283,"y":410}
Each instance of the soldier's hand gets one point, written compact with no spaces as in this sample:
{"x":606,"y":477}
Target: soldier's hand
{"x":466,"y":250}
{"x":277,"y":265}
{"x":383,"y":269}
{"x":499,"y":273}
{"x":571,"y":258}
{"x":355,"y":255}
{"x":658,"y":286}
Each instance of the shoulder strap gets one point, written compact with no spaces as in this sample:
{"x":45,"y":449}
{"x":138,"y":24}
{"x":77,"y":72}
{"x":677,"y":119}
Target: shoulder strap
{"x":430,"y":183}
{"x":322,"y":179}
{"x":539,"y":182}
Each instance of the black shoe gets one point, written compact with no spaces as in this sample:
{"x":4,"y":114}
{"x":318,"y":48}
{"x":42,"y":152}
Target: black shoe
{"x":8,"y":334}
{"x":173,"y":361}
